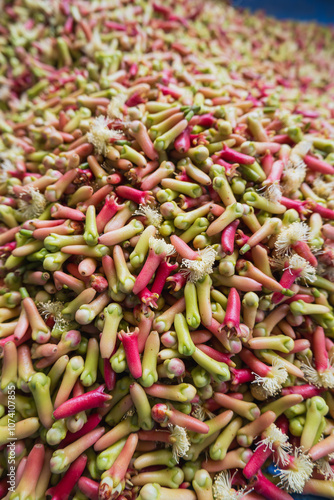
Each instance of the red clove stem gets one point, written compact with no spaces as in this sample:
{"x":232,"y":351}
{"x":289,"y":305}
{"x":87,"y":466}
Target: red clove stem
{"x":320,"y":353}
{"x":87,"y":401}
{"x":109,"y":374}
{"x":182,"y":142}
{"x":228,"y":235}
{"x":63,"y":489}
{"x":130,"y":344}
{"x":229,"y":154}
{"x":306,"y":390}
{"x":256,"y":461}
{"x":266,"y":488}
{"x":231,"y":322}
{"x":129,"y":193}
{"x":163,"y":271}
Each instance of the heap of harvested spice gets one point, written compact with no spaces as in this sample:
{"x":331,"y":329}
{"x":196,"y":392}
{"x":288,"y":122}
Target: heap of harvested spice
{"x":167,"y":252}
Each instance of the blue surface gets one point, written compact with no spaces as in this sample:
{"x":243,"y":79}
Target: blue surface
{"x":272,"y":469}
{"x":306,"y":497}
{"x":305,"y":10}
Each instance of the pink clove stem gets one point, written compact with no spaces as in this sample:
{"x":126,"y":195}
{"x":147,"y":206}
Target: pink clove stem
{"x":119,"y":468}
{"x":256,"y":461}
{"x":283,"y":139}
{"x":97,"y":198}
{"x":155,"y":435}
{"x":327,"y":231}
{"x":161,"y":9}
{"x":169,"y":91}
{"x":242,"y":376}
{"x":78,"y":389}
{"x":20,"y":469}
{"x":306,"y":390}
{"x":283,"y":424}
{"x":134,"y":100}
{"x":300,"y":206}
{"x":320,"y":353}
{"x":324,"y":447}
{"x":288,"y":278}
{"x":183,"y":249}
{"x":145,"y":317}
{"x":89,"y":488}
{"x":214,"y":196}
{"x":219,"y":161}
{"x":183,"y":176}
{"x":207,"y":120}
{"x":138,"y":173}
{"x":148,"y":298}
{"x":156,"y":174}
{"x":163,"y":271}
{"x":130,"y":344}
{"x":267,"y":163}
{"x":63,"y":489}
{"x":326,"y":213}
{"x":329,"y":344}
{"x":92,"y":422}
{"x":129,"y":193}
{"x":32,"y":470}
{"x":115,"y":179}
{"x":109,"y":209}
{"x":133,"y":69}
{"x":300,"y":296}
{"x":112,"y":25}
{"x":182,"y":142}
{"x":98,"y":283}
{"x":216,"y":355}
{"x":275,"y":172}
{"x":317,"y":165}
{"x":236,"y":157}
{"x":17,"y":342}
{"x":73,"y":269}
{"x":85,"y":149}
{"x":70,"y":281}
{"x":200,"y":336}
{"x":188,"y":202}
{"x":266,"y":488}
{"x":109,"y":375}
{"x":300,"y":344}
{"x":60,"y":212}
{"x":140,"y":133}
{"x":161,"y":411}
{"x":9,"y":235}
{"x":302,"y":248}
{"x":227,"y":237}
{"x":151,"y":264}
{"x":254,"y":363}
{"x":87,"y":267}
{"x":8,"y":248}
{"x":231,"y":322}
{"x":22,"y":325}
{"x":176,"y":282}
{"x":87,"y":401}
{"x":234,"y":345}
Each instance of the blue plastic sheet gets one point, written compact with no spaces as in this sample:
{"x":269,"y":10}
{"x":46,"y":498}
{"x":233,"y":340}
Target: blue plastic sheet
{"x":319,"y":10}
{"x":307,"y":497}
{"x":272,"y":469}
